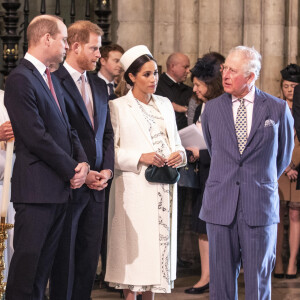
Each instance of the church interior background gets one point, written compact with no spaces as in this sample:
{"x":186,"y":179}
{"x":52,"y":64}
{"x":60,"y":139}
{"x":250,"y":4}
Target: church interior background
{"x":193,"y":27}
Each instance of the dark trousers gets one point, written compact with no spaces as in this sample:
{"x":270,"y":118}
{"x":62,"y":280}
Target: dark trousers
{"x":104,"y":238}
{"x":37,"y":231}
{"x":75,"y":266}
{"x":255,"y":246}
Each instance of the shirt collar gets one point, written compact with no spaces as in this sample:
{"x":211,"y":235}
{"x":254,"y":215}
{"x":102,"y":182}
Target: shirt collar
{"x":37,"y":63}
{"x":249,"y":97}
{"x":106,"y":81}
{"x":76,"y":75}
{"x":171,"y":78}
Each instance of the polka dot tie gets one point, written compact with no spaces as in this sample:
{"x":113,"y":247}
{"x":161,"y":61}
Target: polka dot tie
{"x":241,"y":126}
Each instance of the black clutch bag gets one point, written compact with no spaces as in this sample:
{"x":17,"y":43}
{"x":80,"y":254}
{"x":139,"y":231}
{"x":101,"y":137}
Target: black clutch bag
{"x":164,"y":174}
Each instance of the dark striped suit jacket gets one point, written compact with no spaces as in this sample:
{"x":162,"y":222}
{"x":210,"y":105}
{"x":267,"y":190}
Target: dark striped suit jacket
{"x":250,"y":178}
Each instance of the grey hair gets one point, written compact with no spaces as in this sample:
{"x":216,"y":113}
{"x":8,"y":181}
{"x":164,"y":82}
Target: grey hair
{"x":253,"y":63}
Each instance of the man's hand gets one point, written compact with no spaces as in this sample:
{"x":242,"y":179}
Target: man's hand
{"x":6,"y":132}
{"x":175,"y":159}
{"x":81,"y":172}
{"x":98,"y":180}
{"x":196,"y":154}
{"x":152,"y":158}
{"x":179,"y":108}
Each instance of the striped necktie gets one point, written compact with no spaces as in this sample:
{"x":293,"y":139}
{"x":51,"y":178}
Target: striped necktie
{"x":241,"y":126}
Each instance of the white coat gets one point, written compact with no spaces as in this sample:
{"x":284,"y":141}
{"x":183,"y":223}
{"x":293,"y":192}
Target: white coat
{"x":133,"y":255}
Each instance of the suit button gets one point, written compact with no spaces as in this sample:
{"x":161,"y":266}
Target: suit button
{"x":237,"y":183}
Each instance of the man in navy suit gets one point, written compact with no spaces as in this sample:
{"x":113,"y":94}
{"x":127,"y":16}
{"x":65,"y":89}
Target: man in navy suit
{"x":49,"y":159}
{"x":86,"y":98}
{"x":110,"y":66}
{"x":249,"y":135}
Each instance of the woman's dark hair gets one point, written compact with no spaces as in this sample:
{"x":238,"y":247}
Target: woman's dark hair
{"x":136,"y":66}
{"x":207,"y":69}
{"x":214,"y":88}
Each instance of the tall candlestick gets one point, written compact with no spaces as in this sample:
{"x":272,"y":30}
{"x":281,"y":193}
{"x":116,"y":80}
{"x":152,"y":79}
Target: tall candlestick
{"x":7,"y":177}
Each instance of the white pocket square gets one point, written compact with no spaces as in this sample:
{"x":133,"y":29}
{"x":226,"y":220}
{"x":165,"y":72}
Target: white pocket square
{"x":269,"y":122}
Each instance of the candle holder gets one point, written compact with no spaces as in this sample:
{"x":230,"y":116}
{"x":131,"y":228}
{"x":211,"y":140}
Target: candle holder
{"x":4,"y":227}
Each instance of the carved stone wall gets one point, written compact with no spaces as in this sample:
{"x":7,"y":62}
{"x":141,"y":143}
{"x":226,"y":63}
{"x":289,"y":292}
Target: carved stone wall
{"x":196,"y":26}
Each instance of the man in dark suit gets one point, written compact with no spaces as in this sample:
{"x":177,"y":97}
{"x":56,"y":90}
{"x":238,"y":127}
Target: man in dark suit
{"x":47,"y":156}
{"x":170,"y":85}
{"x":110,"y":70}
{"x":86,"y":98}
{"x":250,"y":137}
{"x":110,"y":66}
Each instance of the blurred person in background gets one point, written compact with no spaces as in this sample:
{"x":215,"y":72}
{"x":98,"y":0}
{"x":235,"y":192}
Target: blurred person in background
{"x":289,"y":192}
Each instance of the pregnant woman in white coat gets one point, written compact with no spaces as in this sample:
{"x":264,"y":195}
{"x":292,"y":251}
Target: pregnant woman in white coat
{"x":142,"y":215}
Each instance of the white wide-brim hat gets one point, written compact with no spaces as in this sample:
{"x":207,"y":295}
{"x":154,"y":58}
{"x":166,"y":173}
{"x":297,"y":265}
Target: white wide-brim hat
{"x":132,"y":54}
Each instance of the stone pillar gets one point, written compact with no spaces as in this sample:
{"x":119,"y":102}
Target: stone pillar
{"x":135,"y":23}
{"x":165,"y":30}
{"x":231,"y":33}
{"x":291,"y":32}
{"x":272,"y":44}
{"x":186,"y":36}
{"x":252,"y":32}
{"x":209,"y":26}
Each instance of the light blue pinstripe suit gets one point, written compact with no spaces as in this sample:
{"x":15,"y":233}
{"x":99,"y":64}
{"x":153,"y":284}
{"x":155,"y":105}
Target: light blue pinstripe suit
{"x":241,"y":193}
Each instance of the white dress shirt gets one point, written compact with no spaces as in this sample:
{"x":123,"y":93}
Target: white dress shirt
{"x":38,"y":64}
{"x":171,"y":78}
{"x":249,"y":102}
{"x":106,"y":81}
{"x":76,"y":76}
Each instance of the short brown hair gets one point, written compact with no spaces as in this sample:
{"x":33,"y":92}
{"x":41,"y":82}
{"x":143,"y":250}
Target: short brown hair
{"x":80,"y":32}
{"x":104,"y":50}
{"x":41,"y":25}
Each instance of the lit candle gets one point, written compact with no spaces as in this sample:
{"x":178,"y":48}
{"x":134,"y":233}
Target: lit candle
{"x":7,"y":177}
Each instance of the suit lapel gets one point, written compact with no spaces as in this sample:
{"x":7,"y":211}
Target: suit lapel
{"x":70,"y":86}
{"x":226,"y":111}
{"x":98,"y":101}
{"x":259,"y":112}
{"x":136,"y":113}
{"x":37,"y":74}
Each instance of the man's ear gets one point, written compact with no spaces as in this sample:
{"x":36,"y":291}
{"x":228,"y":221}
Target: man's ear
{"x":76,"y":47}
{"x":102,"y":61}
{"x":250,"y":78}
{"x":47,"y":39}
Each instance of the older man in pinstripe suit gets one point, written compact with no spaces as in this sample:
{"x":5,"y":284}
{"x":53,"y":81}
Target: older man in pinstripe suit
{"x":249,"y":135}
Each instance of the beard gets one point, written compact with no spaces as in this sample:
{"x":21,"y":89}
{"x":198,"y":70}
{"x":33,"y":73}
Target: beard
{"x":85,"y":64}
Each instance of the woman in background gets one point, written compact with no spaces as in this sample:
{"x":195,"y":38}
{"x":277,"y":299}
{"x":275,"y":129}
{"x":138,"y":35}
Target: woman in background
{"x":207,"y":80}
{"x":142,"y":220}
{"x":289,"y":196}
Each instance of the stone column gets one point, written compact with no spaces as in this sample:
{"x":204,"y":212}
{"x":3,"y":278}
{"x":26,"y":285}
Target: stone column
{"x":252,"y":32}
{"x":209,"y":26}
{"x":291,"y":32}
{"x":231,"y":33}
{"x":186,"y":36}
{"x":165,"y":30}
{"x":135,"y":19}
{"x":272,"y":46}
